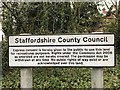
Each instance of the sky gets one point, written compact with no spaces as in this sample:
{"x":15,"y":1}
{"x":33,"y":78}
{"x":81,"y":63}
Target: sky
{"x":102,"y":6}
{"x":1,"y":33}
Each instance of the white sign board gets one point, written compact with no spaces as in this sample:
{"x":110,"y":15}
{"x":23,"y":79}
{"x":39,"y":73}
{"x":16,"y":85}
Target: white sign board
{"x":95,"y":50}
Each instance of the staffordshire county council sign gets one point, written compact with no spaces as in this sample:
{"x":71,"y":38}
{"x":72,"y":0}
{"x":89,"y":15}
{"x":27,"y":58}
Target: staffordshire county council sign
{"x":93,"y":50}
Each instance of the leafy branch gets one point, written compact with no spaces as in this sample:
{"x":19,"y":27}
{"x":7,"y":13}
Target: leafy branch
{"x":16,"y":17}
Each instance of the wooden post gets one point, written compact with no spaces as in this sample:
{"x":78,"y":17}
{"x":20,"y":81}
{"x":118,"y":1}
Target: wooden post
{"x":26,"y":76}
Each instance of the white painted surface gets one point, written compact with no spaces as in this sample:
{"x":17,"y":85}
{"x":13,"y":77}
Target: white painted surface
{"x":74,"y":56}
{"x":106,"y":39}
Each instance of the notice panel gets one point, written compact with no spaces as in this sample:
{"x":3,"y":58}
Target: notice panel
{"x":82,"y":52}
{"x":62,"y":56}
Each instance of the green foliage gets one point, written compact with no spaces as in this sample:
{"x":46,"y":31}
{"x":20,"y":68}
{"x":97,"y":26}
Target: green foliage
{"x":89,"y":15}
{"x":11,"y":80}
{"x":112,"y":75}
{"x":5,"y":55}
{"x":61,"y":78}
{"x":49,"y":18}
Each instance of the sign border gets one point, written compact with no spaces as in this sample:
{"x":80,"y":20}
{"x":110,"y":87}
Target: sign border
{"x":67,"y":45}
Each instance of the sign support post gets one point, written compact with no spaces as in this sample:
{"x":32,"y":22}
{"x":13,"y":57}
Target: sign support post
{"x":97,"y":76}
{"x":26,"y":76}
